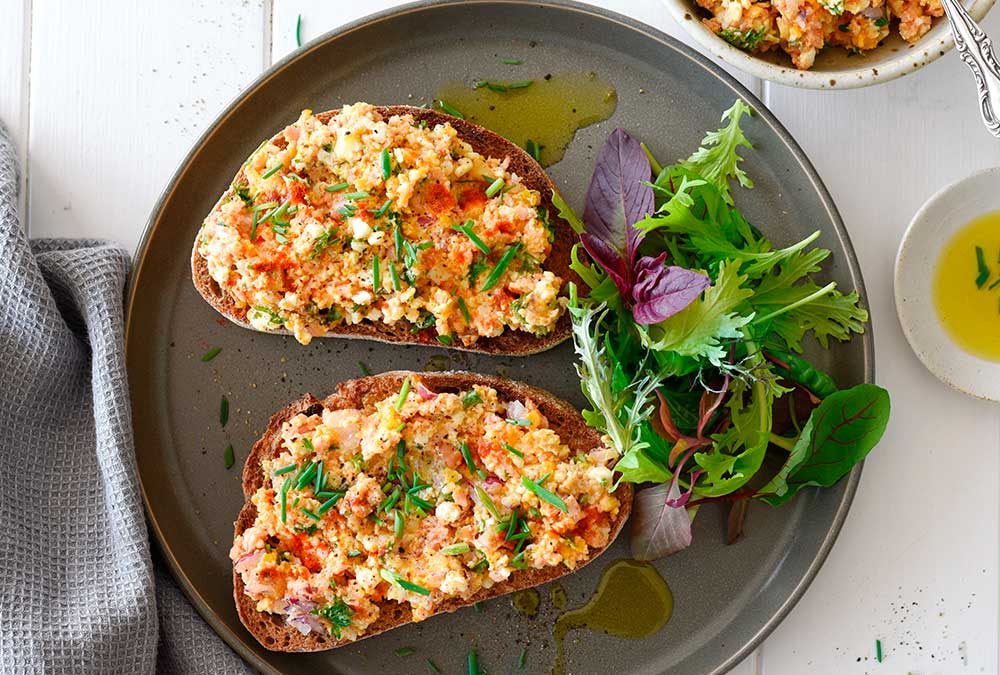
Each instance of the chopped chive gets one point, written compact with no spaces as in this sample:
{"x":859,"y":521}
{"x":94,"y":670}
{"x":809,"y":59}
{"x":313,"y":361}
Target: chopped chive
{"x":984,"y":271}
{"x":382,"y":209}
{"x":394,"y":275}
{"x":324,"y":494}
{"x":522,"y":659}
{"x":253,"y":225}
{"x":456,"y":549}
{"x":298,"y":31}
{"x":517,"y":422}
{"x":994,"y":285}
{"x":878,"y":650}
{"x":273,"y":170}
{"x":284,"y":501}
{"x":210,"y":354}
{"x":494,"y":187}
{"x":330,"y":503}
{"x":478,"y":607}
{"x":228,"y":457}
{"x":309,"y":513}
{"x":347,"y":210}
{"x":467,"y":456}
{"x":286,"y":469}
{"x":376,"y":275}
{"x":364,"y":368}
{"x":406,"y":651}
{"x":306,"y":476}
{"x":338,"y":187}
{"x":466,"y":229}
{"x":353,"y":553}
{"x":224,"y":411}
{"x":470,"y":398}
{"x":397,"y":235}
{"x":308,"y":445}
{"x":389,"y":501}
{"x":881,"y":21}
{"x":520,"y":84}
{"x":512,"y":450}
{"x":387,"y":161}
{"x":542,"y":493}
{"x":404,"y":392}
{"x":465,"y":311}
{"x":492,"y":86}
{"x":533,"y":149}
{"x":512,"y":62}
{"x":501,"y":267}
{"x":446,"y":340}
{"x":433,"y":666}
{"x":487,"y":502}
{"x":360,"y":194}
{"x":473,"y":662}
{"x":450,"y":109}
{"x":320,"y":478}
{"x":398,"y":524}
{"x":394,"y":578}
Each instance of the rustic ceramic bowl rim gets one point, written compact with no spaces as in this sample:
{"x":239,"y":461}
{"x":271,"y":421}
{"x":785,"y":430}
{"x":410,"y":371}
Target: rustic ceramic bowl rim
{"x":239,"y":642}
{"x":937,"y":42}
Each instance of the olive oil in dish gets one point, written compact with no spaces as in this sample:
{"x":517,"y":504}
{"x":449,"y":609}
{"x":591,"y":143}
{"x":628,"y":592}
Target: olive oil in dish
{"x":967,"y":287}
{"x":632,"y":601}
{"x":543,"y":112}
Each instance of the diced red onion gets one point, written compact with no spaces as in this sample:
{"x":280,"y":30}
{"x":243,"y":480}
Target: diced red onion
{"x":423,"y":392}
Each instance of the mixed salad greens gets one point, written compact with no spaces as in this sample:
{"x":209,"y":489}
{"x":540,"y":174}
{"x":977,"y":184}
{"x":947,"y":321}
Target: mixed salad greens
{"x":690,"y":342}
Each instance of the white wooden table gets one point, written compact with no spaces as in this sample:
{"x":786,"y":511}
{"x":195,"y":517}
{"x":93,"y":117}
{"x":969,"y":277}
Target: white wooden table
{"x":104,"y":98}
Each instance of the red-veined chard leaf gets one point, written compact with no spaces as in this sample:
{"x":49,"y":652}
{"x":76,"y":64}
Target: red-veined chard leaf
{"x":839,"y":434}
{"x":659,"y":529}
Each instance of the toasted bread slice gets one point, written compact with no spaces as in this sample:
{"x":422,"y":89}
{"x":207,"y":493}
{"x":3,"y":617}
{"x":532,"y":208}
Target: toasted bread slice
{"x":488,"y":144}
{"x":271,"y":630}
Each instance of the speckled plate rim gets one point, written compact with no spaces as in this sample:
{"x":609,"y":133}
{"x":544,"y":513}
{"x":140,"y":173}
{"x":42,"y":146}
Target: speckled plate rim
{"x":239,"y":642}
{"x":936,"y":43}
{"x":935,"y":222}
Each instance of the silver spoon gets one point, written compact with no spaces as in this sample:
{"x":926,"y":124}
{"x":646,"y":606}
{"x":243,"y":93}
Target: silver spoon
{"x":976,"y":49}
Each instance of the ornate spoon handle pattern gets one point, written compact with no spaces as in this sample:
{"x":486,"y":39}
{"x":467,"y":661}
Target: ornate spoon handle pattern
{"x":976,"y":49}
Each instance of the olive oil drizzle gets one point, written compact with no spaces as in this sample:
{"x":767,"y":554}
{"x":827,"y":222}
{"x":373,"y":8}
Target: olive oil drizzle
{"x":632,"y":601}
{"x":548,"y":111}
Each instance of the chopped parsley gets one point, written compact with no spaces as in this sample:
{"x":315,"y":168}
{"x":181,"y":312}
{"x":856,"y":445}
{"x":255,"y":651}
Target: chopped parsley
{"x":744,"y":39}
{"x":338,"y":613}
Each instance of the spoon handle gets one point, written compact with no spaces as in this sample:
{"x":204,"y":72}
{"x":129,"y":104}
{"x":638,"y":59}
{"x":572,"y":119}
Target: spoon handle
{"x":976,"y":49}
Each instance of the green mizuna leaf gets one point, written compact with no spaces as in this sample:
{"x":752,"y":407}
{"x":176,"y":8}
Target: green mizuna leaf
{"x":717,"y":160}
{"x":700,"y":328}
{"x":841,"y":431}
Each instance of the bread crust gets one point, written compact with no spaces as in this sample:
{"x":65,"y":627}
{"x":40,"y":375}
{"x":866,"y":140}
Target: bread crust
{"x":486,"y":143}
{"x":271,"y":630}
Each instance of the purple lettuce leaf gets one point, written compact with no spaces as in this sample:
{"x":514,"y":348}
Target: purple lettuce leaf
{"x":659,"y":529}
{"x":659,"y":291}
{"x":617,"y":198}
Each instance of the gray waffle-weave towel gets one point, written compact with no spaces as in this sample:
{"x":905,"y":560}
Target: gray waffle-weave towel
{"x":78,"y":592}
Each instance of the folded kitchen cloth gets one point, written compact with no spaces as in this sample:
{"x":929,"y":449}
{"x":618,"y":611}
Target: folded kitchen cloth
{"x":78,"y":590}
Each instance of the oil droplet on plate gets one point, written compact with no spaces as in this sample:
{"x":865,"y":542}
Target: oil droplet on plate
{"x":526,"y":602}
{"x":632,"y":601}
{"x":557,"y":595}
{"x":548,"y":111}
{"x":967,"y":287}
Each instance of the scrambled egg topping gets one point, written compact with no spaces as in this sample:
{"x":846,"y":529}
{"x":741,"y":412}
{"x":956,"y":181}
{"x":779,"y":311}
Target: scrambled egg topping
{"x":803,"y":27}
{"x":382,"y":220}
{"x":418,"y":498}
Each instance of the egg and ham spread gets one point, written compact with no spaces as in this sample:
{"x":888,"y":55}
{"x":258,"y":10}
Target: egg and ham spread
{"x":371,"y":219}
{"x":420,"y":497}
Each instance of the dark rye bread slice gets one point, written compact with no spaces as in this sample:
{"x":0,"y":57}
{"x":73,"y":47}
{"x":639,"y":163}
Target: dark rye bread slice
{"x":488,"y":144}
{"x":271,"y":630}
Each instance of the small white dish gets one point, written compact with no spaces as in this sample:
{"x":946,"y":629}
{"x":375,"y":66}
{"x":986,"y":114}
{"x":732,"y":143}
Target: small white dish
{"x":932,"y":227}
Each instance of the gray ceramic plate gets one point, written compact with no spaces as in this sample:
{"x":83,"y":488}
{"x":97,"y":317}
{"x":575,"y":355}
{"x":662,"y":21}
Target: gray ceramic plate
{"x":727,"y":598}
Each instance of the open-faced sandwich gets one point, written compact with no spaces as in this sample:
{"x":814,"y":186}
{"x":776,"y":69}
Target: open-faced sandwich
{"x":404,"y":495}
{"x":395,"y":223}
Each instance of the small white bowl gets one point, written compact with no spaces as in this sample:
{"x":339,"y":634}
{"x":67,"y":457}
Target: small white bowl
{"x":834,"y":67}
{"x":931,"y":228}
